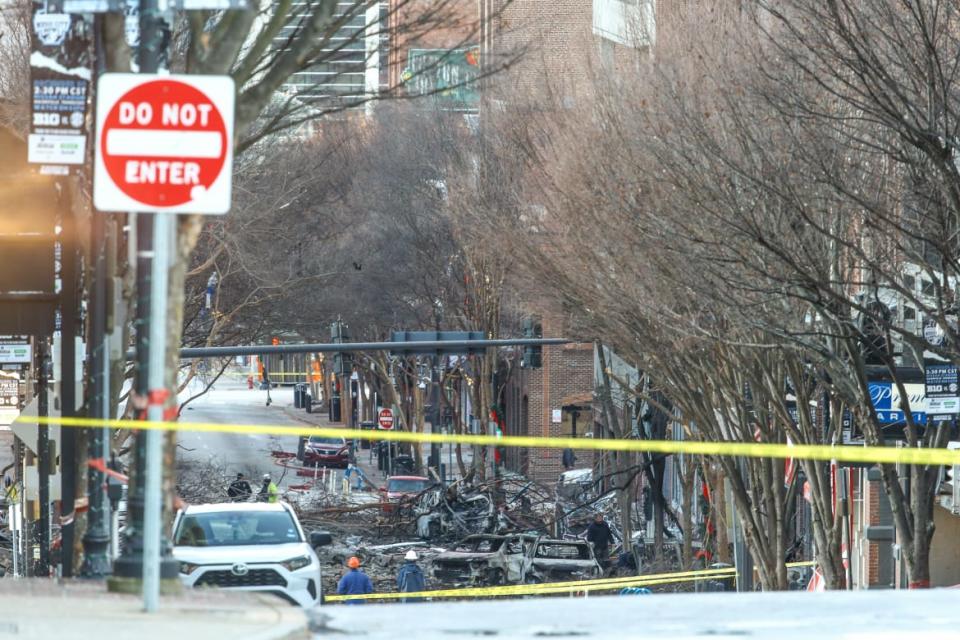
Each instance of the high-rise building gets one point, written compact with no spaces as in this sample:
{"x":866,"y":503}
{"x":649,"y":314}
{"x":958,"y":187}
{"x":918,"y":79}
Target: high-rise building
{"x":395,"y":48}
{"x":352,"y":61}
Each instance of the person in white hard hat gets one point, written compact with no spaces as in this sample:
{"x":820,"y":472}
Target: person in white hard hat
{"x":268,"y":490}
{"x":410,"y":578}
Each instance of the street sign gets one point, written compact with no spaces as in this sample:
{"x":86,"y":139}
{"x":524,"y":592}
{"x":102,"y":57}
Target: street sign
{"x":399,"y":338}
{"x":164,"y":143}
{"x":886,"y":402}
{"x":15,"y":353}
{"x":386,"y":419}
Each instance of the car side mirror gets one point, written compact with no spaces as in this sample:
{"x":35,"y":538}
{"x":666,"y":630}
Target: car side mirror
{"x":320,"y":539}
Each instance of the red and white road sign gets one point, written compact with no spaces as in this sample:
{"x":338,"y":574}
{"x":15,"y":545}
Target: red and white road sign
{"x":386,"y":419}
{"x":164,"y":143}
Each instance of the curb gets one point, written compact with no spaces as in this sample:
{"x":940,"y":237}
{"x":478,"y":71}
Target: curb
{"x":279,"y":620}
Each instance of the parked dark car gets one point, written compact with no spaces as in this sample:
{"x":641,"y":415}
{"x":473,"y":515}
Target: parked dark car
{"x":320,"y":451}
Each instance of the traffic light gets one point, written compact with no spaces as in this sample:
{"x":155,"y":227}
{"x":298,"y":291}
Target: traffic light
{"x":342,"y":362}
{"x":532,"y":354}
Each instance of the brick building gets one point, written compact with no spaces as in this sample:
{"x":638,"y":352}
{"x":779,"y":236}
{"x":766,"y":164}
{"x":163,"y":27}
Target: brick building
{"x":431,"y":49}
{"x":554,"y":400}
{"x":391,"y":42}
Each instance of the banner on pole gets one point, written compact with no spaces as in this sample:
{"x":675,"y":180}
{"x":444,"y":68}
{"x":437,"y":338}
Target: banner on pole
{"x":60,"y":73}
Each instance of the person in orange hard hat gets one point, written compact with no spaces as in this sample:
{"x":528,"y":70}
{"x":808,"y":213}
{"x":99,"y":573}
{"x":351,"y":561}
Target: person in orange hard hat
{"x":354,"y":582}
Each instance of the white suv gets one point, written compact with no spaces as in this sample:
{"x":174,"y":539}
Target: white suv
{"x":252,"y":546}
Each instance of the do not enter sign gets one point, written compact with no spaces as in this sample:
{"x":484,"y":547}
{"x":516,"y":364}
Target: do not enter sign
{"x":164,"y":143}
{"x":386,"y":419}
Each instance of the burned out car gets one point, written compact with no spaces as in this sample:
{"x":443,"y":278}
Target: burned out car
{"x":562,"y":560}
{"x":482,"y":560}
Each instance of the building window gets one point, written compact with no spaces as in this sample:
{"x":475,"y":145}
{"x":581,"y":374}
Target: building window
{"x":341,"y":78}
{"x":910,"y":283}
{"x":627,"y":22}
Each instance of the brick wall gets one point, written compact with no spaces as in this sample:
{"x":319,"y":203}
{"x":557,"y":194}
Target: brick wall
{"x":552,"y":46}
{"x":567,"y":371}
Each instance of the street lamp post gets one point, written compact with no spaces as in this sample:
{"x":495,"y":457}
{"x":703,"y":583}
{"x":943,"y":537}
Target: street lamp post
{"x":96,"y":539}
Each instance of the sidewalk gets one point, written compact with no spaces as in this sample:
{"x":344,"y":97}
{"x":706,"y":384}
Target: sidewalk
{"x":41,"y":609}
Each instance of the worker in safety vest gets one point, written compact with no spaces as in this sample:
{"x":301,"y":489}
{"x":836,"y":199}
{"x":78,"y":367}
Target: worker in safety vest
{"x":268,"y":490}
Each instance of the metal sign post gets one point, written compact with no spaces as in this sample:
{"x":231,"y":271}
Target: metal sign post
{"x":152,"y":513}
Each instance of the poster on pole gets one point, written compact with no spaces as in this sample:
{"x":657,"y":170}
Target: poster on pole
{"x":60,"y":74}
{"x":15,"y":352}
{"x":943,"y":390}
{"x":9,"y":390}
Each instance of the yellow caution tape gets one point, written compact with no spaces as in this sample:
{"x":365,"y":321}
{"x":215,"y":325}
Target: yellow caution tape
{"x":840,"y":453}
{"x":603,"y":584}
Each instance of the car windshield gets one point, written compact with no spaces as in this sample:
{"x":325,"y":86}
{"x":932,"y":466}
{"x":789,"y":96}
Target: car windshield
{"x":563,"y":551}
{"x":330,"y":441}
{"x":232,"y":528}
{"x":401,"y":485}
{"x":479,"y":545}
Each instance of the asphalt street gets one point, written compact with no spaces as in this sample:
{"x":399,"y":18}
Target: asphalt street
{"x":231,"y":402}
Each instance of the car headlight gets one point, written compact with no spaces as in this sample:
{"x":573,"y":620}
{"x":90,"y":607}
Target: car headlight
{"x":186,"y":568}
{"x":296,"y":563}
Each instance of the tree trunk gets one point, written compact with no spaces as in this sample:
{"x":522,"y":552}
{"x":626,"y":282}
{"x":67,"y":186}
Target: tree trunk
{"x":921,"y":506}
{"x":827,"y":526}
{"x":687,"y":481}
{"x":459,"y":426}
{"x":656,"y":493}
{"x":718,"y":512}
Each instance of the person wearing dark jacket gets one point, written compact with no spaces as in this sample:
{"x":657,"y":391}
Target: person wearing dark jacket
{"x":569,"y":459}
{"x":600,"y":535}
{"x":239,"y":490}
{"x":355,"y":582}
{"x":410,"y":577}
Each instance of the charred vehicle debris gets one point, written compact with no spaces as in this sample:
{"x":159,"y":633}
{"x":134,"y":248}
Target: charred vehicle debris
{"x":501,"y":531}
{"x":488,"y":560}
